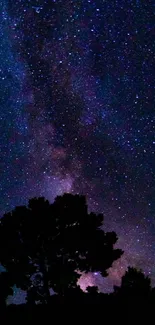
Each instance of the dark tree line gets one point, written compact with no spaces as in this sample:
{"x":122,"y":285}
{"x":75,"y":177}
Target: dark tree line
{"x":44,"y":246}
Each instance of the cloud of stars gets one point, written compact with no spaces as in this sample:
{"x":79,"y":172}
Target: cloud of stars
{"x":77,"y":115}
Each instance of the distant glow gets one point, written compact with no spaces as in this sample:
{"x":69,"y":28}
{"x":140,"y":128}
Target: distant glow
{"x":86,"y":280}
{"x":57,"y":185}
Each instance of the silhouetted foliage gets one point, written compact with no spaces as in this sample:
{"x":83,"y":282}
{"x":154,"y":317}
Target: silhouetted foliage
{"x":43,"y":245}
{"x":92,"y":290}
{"x":134,"y":283}
{"x":135,"y":296}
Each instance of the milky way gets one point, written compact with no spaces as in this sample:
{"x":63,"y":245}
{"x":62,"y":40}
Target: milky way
{"x":76,"y":86}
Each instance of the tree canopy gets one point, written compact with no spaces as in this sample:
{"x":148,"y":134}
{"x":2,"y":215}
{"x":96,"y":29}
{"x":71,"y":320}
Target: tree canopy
{"x":44,"y":245}
{"x":134,"y":283}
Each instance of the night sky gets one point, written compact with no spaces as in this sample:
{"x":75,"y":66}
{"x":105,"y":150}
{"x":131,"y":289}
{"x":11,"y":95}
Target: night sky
{"x":76,"y":114}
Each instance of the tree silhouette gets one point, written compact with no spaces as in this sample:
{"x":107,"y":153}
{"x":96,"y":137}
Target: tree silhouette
{"x":44,"y":245}
{"x":134,"y":283}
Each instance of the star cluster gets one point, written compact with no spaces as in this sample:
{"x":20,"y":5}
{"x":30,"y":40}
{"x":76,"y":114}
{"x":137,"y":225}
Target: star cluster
{"x":76,"y":85}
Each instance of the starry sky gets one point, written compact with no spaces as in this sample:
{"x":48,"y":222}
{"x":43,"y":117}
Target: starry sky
{"x":76,"y":96}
